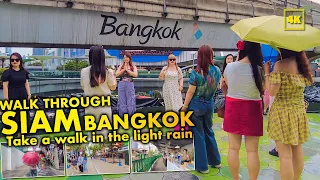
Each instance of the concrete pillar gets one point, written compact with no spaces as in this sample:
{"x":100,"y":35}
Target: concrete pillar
{"x":56,"y":158}
{"x":9,"y":155}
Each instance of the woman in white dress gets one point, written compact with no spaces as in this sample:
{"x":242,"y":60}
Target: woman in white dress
{"x":173,"y":85}
{"x":97,"y":80}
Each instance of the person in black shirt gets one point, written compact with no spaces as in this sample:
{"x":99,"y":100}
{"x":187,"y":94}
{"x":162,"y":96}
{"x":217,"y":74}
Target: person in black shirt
{"x":185,"y":157}
{"x":15,"y":84}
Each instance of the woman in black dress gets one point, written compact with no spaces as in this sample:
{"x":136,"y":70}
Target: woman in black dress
{"x":15,"y":84}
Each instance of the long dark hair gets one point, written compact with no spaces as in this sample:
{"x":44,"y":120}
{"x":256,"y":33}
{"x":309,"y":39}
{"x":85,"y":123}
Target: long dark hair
{"x":204,"y":59}
{"x":225,"y":62}
{"x":302,"y":62}
{"x":90,"y":56}
{"x":98,"y":68}
{"x":20,"y":59}
{"x":128,"y":55}
{"x":253,"y":52}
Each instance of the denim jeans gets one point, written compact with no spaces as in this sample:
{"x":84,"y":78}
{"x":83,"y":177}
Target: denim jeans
{"x":206,"y":148}
{"x":33,"y":172}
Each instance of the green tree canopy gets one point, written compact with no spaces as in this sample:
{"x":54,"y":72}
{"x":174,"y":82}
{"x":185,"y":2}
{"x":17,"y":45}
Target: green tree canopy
{"x":74,"y":65}
{"x":77,"y":147}
{"x":36,"y":64}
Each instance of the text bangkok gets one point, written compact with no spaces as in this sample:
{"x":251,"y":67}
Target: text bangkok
{"x":109,"y":26}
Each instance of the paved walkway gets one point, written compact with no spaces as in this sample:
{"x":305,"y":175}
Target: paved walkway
{"x":19,"y":172}
{"x":111,"y":168}
{"x":97,"y":166}
{"x":91,"y":170}
{"x":159,"y":166}
{"x":24,"y":171}
{"x":269,"y":164}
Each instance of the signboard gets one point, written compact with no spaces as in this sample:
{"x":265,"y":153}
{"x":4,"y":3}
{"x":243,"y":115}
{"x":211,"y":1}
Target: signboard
{"x":294,"y":20}
{"x":125,"y":148}
{"x":66,"y":27}
{"x":146,"y":53}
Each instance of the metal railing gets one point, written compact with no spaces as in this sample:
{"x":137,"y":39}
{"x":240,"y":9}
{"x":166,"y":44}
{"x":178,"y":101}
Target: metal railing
{"x":44,"y":86}
{"x":76,"y":74}
{"x":144,"y":164}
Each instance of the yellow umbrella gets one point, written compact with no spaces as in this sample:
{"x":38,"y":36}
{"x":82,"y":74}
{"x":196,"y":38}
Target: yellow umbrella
{"x":270,"y":30}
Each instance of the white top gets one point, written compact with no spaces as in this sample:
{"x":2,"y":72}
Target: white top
{"x":101,"y":90}
{"x":80,"y":160}
{"x":241,"y":84}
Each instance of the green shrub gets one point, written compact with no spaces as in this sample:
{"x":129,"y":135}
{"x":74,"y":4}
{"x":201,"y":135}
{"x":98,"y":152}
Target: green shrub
{"x":1,"y":72}
{"x":74,"y":66}
{"x":36,"y":64}
{"x":157,"y":94}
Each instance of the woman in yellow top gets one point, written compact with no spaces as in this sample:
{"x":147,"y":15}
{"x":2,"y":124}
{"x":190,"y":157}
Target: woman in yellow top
{"x":288,"y":124}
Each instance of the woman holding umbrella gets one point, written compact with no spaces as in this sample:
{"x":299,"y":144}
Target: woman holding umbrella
{"x":31,"y":159}
{"x":288,"y":124}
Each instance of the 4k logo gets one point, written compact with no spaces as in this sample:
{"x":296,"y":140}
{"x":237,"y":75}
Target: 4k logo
{"x":294,"y":20}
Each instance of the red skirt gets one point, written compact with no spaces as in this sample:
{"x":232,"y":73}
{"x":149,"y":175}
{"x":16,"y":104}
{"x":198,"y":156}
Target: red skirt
{"x":243,"y":117}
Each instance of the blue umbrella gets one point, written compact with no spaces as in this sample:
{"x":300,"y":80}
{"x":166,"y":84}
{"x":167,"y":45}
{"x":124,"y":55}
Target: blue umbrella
{"x":269,"y":54}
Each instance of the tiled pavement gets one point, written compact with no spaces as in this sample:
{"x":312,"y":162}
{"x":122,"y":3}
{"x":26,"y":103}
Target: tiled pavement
{"x":97,"y":166}
{"x":269,"y":164}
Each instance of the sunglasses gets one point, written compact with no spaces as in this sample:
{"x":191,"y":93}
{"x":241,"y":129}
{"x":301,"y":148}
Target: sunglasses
{"x":172,"y":59}
{"x":16,"y":60}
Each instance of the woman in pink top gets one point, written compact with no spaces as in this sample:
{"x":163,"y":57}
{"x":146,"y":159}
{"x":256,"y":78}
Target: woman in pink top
{"x":266,"y":102}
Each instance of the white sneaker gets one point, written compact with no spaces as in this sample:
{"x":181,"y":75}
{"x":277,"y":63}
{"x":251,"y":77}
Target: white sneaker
{"x":204,"y":172}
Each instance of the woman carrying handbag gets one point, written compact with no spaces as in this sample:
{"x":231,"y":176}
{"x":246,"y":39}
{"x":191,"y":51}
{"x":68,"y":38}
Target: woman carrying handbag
{"x":223,"y":86}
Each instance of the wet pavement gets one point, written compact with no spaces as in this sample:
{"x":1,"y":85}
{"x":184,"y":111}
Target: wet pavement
{"x":24,"y":172}
{"x":159,"y":166}
{"x":269,"y":164}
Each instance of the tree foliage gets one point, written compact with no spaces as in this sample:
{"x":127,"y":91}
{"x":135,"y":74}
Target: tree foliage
{"x":36,"y":64}
{"x":77,"y":147}
{"x":2,"y":70}
{"x":72,"y":65}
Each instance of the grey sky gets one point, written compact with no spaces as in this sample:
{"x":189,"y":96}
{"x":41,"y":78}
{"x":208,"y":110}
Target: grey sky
{"x":316,"y":1}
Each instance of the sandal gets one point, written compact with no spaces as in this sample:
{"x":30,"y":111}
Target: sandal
{"x":274,"y":152}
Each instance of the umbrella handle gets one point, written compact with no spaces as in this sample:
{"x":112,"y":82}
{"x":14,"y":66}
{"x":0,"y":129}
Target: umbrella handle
{"x":270,"y":53}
